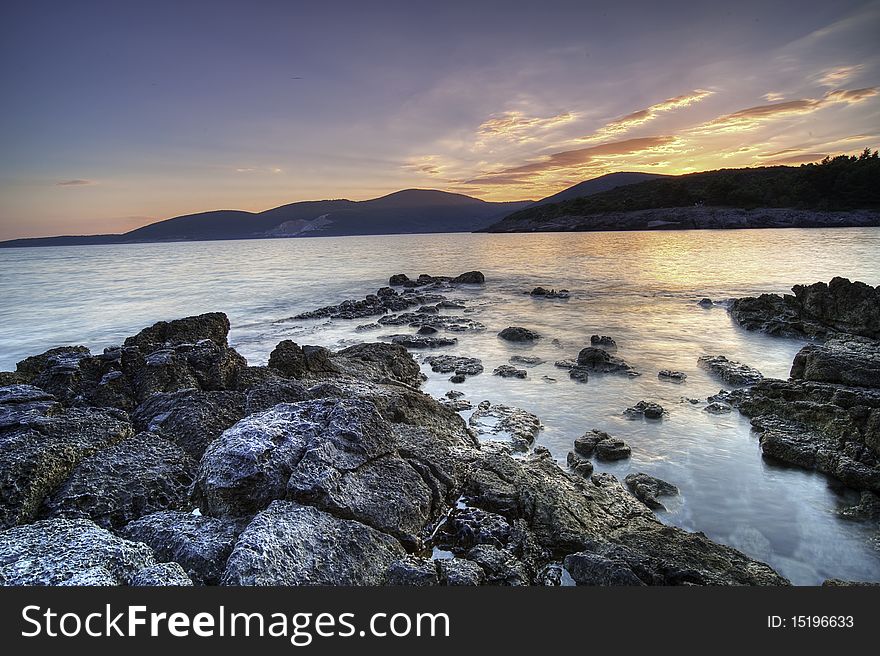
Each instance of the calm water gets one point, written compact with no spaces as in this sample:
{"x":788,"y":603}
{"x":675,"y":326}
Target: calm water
{"x":640,"y":288}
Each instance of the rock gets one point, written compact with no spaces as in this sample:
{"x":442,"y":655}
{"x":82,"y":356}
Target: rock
{"x":585,"y":445}
{"x":387,"y":300}
{"x":459,"y":571}
{"x":716,"y":408}
{"x":190,"y":418}
{"x":579,"y":374}
{"x":868,"y":508}
{"x":579,"y":465}
{"x":518,"y":334}
{"x":844,"y":359}
{"x":445,"y":364}
{"x":367,"y":327}
{"x":429,"y":309}
{"x":41,"y":452}
{"x":647,"y":488}
{"x":508,"y":371}
{"x":420,"y":341}
{"x":470,"y":278}
{"x":815,"y":310}
{"x":612,"y":448}
{"x":379,"y":363}
{"x":161,"y":575}
{"x":267,"y":394}
{"x":20,"y":404}
{"x":138,"y":476}
{"x":565,"y":364}
{"x":289,"y":544}
{"x":457,"y":378}
{"x":672,"y":376}
{"x":200,"y":545}
{"x":412,"y":571}
{"x":425,"y":330}
{"x":734,"y":373}
{"x":603,"y":340}
{"x":597,"y":360}
{"x":467,"y":527}
{"x":541,"y":292}
{"x":213,"y":326}
{"x":500,"y":567}
{"x":448,"y":322}
{"x":59,"y":551}
{"x":705,"y":303}
{"x":526,"y":360}
{"x":593,"y":569}
{"x":646,"y":409}
{"x":506,"y":423}
{"x":839,"y":583}
{"x":293,"y":361}
{"x":398,"y":279}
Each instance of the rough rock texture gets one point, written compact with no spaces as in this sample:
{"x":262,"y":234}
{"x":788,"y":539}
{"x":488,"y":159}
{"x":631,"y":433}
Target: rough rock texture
{"x":646,"y":409}
{"x":509,"y":371}
{"x":39,"y":454}
{"x":518,"y":334}
{"x":55,"y":551}
{"x":506,"y":423}
{"x":673,"y":376}
{"x":422,"y":341}
{"x":602,"y":445}
{"x":526,"y":360}
{"x":815,"y":310}
{"x":446,"y":364}
{"x":291,"y":544}
{"x":579,"y":464}
{"x":853,"y":361}
{"x":412,"y":570}
{"x":730,"y":371}
{"x":459,"y":571}
{"x":647,"y":488}
{"x":162,"y":574}
{"x":200,"y":545}
{"x":190,"y":418}
{"x":593,"y":359}
{"x":379,"y":363}
{"x":140,"y":475}
{"x":543,"y":292}
{"x":604,"y":341}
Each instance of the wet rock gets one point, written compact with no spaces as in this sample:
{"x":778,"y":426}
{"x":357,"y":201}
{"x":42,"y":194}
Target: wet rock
{"x":422,"y":341}
{"x":604,"y":341}
{"x":457,"y":378}
{"x":705,"y":303}
{"x":565,"y":364}
{"x":21,"y":403}
{"x":379,"y":362}
{"x":541,"y":292}
{"x":190,"y":418}
{"x":672,"y":376}
{"x":387,"y":300}
{"x":646,"y":409}
{"x":412,"y":571}
{"x":162,"y":574}
{"x":612,"y":448}
{"x":470,"y":278}
{"x":593,"y":569}
{"x":647,"y":489}
{"x":426,"y":330}
{"x":41,"y":452}
{"x":585,"y":445}
{"x":508,"y":371}
{"x":518,"y":334}
{"x":446,"y":364}
{"x":526,"y":360}
{"x":398,"y":279}
{"x":293,"y":361}
{"x":579,"y":464}
{"x":847,"y":360}
{"x":467,"y":527}
{"x":815,"y":310}
{"x":506,"y":423}
{"x":200,"y":545}
{"x":367,"y":327}
{"x":459,"y":571}
{"x":448,"y":322}
{"x":597,"y":360}
{"x":140,"y":475}
{"x":579,"y":374}
{"x":500,"y":567}
{"x":212,"y":326}
{"x":69,"y":551}
{"x":716,"y":408}
{"x":429,"y":309}
{"x":730,"y":371}
{"x":868,"y":508}
{"x":291,"y":544}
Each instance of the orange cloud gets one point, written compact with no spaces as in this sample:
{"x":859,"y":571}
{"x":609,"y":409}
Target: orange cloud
{"x":835,"y":76}
{"x":642,"y":116}
{"x":516,"y":123}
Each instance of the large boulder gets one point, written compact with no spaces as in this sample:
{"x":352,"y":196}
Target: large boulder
{"x":730,"y":371}
{"x":212,"y":326}
{"x":518,"y":334}
{"x":379,"y":363}
{"x":291,"y":544}
{"x":140,"y":475}
{"x":843,"y":359}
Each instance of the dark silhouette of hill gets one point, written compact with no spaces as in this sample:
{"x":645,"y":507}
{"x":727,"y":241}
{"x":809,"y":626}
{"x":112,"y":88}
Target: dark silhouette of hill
{"x":403,"y":212}
{"x":598,"y":185}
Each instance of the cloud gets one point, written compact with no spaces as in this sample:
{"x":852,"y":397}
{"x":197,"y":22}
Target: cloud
{"x":570,"y":159}
{"x":833,"y":77}
{"x":515,"y":123}
{"x":642,"y":116}
{"x":852,"y":96}
{"x":74,"y":183}
{"x":803,"y":158}
{"x":773,"y":97}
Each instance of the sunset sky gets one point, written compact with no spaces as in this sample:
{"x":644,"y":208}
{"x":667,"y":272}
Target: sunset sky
{"x":116,"y":114}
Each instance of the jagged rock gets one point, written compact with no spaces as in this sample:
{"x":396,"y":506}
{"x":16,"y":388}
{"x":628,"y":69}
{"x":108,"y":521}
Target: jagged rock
{"x":138,"y":476}
{"x":500,"y":567}
{"x":290,"y":544}
{"x":445,"y":364}
{"x":412,"y":571}
{"x":467,"y":527}
{"x":470,"y":278}
{"x":673,"y":376}
{"x":21,"y":403}
{"x":508,"y":371}
{"x":518,"y":334}
{"x":646,"y":409}
{"x":436,"y":322}
{"x":716,"y":408}
{"x":162,"y":574}
{"x":815,"y":310}
{"x":398,"y":279}
{"x":579,"y":465}
{"x":603,"y":445}
{"x":647,"y":488}
{"x":457,"y":378}
{"x":593,"y":569}
{"x":506,"y":423}
{"x":269,"y":393}
{"x":200,"y":545}
{"x":579,"y":374}
{"x":421,"y":341}
{"x":541,"y":292}
{"x":293,"y":361}
{"x":77,"y":551}
{"x":604,"y":341}
{"x":730,"y":371}
{"x":379,"y":362}
{"x":40,"y":453}
{"x":367,"y":327}
{"x":526,"y":360}
{"x":597,"y":360}
{"x":847,"y":360}
{"x":213,"y":326}
{"x":190,"y":418}
{"x":868,"y":508}
{"x":460,"y":571}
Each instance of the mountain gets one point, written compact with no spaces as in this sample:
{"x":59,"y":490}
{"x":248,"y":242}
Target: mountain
{"x":600,"y":184}
{"x":838,"y":192}
{"x":403,"y":212}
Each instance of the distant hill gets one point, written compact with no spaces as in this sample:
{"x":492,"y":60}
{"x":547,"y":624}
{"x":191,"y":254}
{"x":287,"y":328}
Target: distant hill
{"x":600,"y":184}
{"x":820,"y":192}
{"x":404,"y":212}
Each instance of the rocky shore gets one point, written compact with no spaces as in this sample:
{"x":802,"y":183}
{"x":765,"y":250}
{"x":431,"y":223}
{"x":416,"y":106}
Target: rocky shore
{"x":169,"y":460}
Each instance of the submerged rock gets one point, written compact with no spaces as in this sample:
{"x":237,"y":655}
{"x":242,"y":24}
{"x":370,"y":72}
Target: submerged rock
{"x":446,"y":364}
{"x":730,"y":371}
{"x":518,"y":334}
{"x":598,"y":360}
{"x":541,"y":292}
{"x":673,"y":376}
{"x":647,"y":488}
{"x":506,"y":423}
{"x":604,"y":341}
{"x":421,"y":341}
{"x":646,"y":409}
{"x":508,"y":371}
{"x":526,"y":360}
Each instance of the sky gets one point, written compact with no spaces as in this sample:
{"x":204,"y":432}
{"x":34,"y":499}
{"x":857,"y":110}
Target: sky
{"x":117,"y":114}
